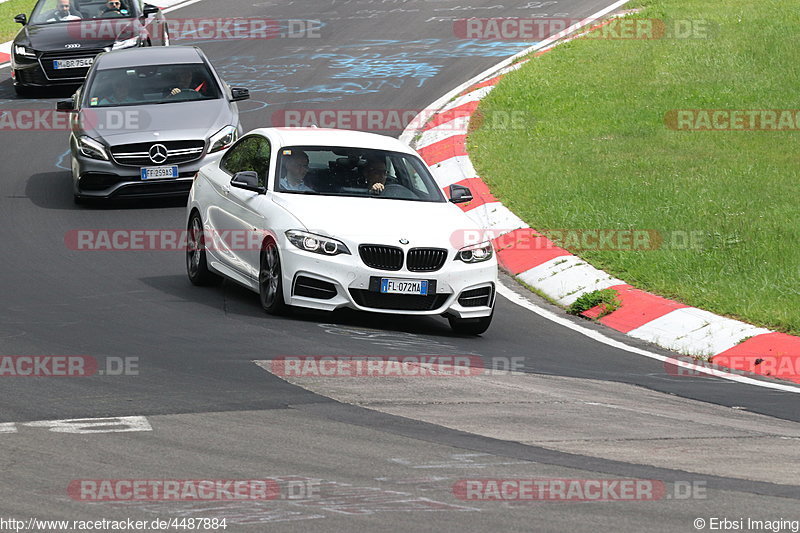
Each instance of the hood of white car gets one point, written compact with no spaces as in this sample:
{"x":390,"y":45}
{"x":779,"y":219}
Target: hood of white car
{"x":379,"y":221}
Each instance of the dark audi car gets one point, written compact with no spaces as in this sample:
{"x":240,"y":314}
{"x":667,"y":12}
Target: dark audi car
{"x":59,"y":42}
{"x":146,"y":120}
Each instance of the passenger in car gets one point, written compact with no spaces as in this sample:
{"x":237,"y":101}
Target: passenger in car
{"x":62,"y":12}
{"x":120,"y":94}
{"x":293,"y":172}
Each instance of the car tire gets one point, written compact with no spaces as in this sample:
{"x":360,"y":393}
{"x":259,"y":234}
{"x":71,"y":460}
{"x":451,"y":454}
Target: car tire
{"x":270,"y":279}
{"x":196,"y":263}
{"x":470,"y":326}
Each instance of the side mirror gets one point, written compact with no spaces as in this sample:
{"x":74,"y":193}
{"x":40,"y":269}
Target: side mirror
{"x":150,"y":9}
{"x":21,"y":19}
{"x":239,"y":93}
{"x":460,"y":194}
{"x":247,"y":180}
{"x":65,"y":105}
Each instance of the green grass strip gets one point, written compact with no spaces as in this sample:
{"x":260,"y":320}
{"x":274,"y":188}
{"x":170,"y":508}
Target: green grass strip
{"x":8,"y":10}
{"x":598,"y":154}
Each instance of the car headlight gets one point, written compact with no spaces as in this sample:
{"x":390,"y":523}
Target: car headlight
{"x":126,"y":43}
{"x":91,"y":148}
{"x":223,"y":139}
{"x":311,"y":242}
{"x":24,"y":51}
{"x":475,"y":253}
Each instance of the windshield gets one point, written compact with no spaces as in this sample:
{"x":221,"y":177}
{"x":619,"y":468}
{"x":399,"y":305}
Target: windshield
{"x":155,"y":84}
{"x":336,"y":171}
{"x":51,"y":11}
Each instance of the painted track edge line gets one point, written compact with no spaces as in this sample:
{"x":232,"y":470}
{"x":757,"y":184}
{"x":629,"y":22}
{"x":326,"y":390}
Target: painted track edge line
{"x":521,"y":301}
{"x":414,"y":129}
{"x":410,"y":131}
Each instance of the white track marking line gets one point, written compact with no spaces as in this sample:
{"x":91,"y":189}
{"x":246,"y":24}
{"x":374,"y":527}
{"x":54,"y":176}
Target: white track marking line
{"x":408,"y":136}
{"x":409,"y":133}
{"x":179,"y":6}
{"x":515,"y":298}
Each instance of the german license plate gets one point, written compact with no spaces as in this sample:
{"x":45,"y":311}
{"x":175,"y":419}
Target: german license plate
{"x":155,"y":173}
{"x":80,"y":62}
{"x":404,"y":286}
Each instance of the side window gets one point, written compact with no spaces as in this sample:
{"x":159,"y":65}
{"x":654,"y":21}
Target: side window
{"x":251,"y":153}
{"x":409,"y":176}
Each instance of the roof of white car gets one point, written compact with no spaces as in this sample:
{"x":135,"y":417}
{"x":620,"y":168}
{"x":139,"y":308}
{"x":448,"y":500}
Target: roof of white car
{"x":333,"y":137}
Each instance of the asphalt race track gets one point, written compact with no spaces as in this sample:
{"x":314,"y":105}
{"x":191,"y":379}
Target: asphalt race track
{"x":211,"y":413}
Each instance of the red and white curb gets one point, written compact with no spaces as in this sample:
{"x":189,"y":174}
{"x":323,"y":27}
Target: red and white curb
{"x":564,"y":277}
{"x":5,"y":53}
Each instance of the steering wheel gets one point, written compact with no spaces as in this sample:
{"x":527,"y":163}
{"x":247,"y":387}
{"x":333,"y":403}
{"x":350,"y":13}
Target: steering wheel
{"x":395,"y":190}
{"x":110,"y":15}
{"x":185,"y":94}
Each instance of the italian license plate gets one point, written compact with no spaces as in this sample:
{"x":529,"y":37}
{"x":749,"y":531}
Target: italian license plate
{"x":404,"y":286}
{"x":80,"y":62}
{"x":155,"y":173}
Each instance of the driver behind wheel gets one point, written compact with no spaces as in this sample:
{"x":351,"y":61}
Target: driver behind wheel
{"x":184,"y":81}
{"x":374,"y":174}
{"x":112,"y":8}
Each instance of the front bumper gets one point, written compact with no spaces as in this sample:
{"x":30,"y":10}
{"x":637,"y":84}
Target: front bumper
{"x":344,"y":281}
{"x":93,"y":178}
{"x":28,"y":72}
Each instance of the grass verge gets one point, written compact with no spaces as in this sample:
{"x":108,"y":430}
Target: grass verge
{"x":8,"y":10}
{"x":601,"y":156}
{"x":607,"y":297}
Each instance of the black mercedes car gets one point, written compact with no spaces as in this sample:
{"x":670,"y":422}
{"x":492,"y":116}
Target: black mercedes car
{"x":59,"y":42}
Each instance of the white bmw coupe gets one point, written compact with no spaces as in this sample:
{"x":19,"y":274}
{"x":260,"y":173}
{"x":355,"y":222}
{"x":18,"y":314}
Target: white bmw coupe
{"x":324,"y":219}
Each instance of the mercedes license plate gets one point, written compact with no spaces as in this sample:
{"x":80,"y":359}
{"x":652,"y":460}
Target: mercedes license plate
{"x":155,"y":173}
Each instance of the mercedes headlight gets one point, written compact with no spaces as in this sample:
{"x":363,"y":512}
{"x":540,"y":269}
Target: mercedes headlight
{"x":311,"y":242}
{"x":126,"y":43}
{"x":91,"y":148}
{"x":476,"y":253}
{"x":223,"y":139}
{"x":24,"y":51}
